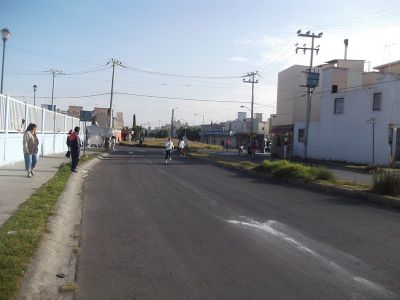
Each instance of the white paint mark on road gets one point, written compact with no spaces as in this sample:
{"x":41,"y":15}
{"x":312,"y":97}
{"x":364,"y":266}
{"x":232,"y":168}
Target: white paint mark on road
{"x":268,"y":227}
{"x":130,"y":152}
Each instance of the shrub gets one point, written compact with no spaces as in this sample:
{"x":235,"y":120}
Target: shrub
{"x":321,"y":174}
{"x":271,"y":166}
{"x":293,"y":171}
{"x":284,"y":169}
{"x":387,"y":182}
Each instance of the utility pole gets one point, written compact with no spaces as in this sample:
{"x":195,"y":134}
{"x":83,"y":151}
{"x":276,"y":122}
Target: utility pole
{"x":312,"y":80}
{"x":54,"y":73}
{"x":252,"y":81}
{"x":114,"y":63}
{"x":172,"y":123}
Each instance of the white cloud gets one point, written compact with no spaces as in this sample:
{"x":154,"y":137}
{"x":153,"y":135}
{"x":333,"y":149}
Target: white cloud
{"x":275,"y":53}
{"x":238,"y":58}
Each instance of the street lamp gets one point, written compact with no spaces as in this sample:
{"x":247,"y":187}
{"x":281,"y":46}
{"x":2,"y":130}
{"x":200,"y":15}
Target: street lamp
{"x":34,"y":94}
{"x":243,"y":106}
{"x":5,"y":34}
{"x":199,"y":116}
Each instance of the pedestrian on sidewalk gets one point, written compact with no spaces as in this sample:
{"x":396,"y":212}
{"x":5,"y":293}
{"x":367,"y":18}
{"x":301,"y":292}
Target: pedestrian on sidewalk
{"x":74,"y":144}
{"x":169,"y":145}
{"x":30,"y":144}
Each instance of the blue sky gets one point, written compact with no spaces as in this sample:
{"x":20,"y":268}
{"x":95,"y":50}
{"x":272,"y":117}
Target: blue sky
{"x":208,"y":38}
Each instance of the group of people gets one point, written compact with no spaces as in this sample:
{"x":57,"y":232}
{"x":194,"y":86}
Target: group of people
{"x":30,"y":146}
{"x":169,"y":146}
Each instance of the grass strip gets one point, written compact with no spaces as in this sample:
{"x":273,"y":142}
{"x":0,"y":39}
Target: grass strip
{"x":21,"y":234}
{"x":283,"y":169}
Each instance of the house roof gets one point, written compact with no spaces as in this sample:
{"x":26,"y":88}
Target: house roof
{"x":333,"y":61}
{"x":388,"y":64}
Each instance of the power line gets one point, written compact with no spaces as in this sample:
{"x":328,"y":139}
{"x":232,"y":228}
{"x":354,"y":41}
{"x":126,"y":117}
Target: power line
{"x":179,"y":98}
{"x":181,"y":75}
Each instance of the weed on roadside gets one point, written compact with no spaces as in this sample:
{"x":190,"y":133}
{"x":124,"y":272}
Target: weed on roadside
{"x":387,"y":182}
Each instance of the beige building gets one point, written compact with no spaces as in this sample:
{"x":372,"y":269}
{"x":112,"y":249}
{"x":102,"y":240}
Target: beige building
{"x":101,"y":116}
{"x":74,"y":111}
{"x":119,"y":120}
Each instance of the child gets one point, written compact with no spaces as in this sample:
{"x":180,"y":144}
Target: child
{"x":169,"y":145}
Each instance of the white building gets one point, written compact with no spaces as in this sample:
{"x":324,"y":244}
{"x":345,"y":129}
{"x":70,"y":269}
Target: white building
{"x":355,"y":108}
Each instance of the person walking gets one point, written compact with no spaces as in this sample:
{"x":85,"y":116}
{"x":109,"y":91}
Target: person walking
{"x":113,"y":142}
{"x":181,"y":147}
{"x":169,"y":146}
{"x":74,"y":144}
{"x":30,"y":145}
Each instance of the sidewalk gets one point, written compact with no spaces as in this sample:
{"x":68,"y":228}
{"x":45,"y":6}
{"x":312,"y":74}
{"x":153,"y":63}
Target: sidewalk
{"x":342,"y":174}
{"x":16,"y":187}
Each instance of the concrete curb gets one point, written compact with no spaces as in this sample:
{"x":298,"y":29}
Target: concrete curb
{"x":317,"y":186}
{"x":51,"y":274}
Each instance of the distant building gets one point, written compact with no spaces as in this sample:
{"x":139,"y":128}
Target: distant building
{"x":119,"y":120}
{"x":100,"y":114}
{"x":74,"y":111}
{"x":235,"y":132}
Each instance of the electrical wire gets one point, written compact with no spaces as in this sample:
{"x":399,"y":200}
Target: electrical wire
{"x":181,"y":75}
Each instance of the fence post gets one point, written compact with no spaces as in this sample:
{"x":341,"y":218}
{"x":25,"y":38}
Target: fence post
{"x":43,"y":135}
{"x":25,"y":117}
{"x":65,"y":130}
{"x":7,"y":115}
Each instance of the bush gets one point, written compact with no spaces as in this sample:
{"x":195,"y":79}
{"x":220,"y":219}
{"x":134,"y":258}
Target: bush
{"x":271,"y":166}
{"x":293,"y":171}
{"x":284,"y":169}
{"x":322,"y":174}
{"x":387,"y":182}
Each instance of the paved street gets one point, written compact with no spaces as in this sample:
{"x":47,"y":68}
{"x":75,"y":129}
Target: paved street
{"x":191,"y":230}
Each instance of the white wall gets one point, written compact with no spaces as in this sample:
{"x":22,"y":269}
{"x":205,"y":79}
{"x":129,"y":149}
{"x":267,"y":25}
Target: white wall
{"x":13,"y":146}
{"x":348,"y":136}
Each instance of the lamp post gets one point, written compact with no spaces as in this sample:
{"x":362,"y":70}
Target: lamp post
{"x":5,"y":34}
{"x":34,"y":94}
{"x":199,"y":116}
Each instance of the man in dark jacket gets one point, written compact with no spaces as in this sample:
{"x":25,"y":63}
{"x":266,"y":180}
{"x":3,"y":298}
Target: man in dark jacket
{"x":74,"y":144}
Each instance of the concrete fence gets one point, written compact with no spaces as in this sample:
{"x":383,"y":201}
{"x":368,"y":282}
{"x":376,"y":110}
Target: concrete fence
{"x":52,"y":129}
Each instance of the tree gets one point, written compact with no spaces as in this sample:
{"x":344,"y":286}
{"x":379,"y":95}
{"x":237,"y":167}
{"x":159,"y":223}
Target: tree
{"x":192,"y":132}
{"x":134,"y":121}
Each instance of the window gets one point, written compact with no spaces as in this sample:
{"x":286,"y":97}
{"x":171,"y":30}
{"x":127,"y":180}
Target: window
{"x":377,"y":101}
{"x":300,"y":137}
{"x":339,"y":105}
{"x":334,"y":88}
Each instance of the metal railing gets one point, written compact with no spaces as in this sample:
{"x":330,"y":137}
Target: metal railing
{"x":13,"y":112}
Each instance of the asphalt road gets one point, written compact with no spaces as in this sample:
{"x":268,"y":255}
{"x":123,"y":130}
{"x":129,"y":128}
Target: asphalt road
{"x":191,"y":230}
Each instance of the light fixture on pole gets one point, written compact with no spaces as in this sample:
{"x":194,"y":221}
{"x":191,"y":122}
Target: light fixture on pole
{"x":5,"y":34}
{"x":243,"y":106}
{"x":34,"y":94}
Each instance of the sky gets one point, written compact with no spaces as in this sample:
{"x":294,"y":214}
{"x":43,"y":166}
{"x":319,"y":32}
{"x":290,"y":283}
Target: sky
{"x":188,"y":55}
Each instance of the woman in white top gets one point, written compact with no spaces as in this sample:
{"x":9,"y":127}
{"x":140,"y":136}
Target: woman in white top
{"x":169,"y":145}
{"x":181,"y":147}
